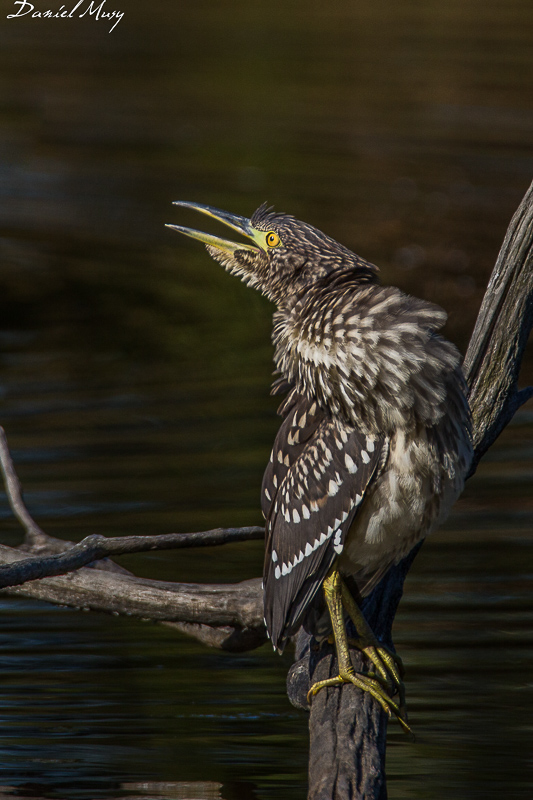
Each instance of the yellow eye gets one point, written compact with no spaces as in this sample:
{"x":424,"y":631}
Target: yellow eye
{"x":272,"y":239}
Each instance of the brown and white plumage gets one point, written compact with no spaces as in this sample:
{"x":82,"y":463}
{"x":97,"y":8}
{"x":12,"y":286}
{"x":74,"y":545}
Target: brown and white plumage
{"x":313,"y":486}
{"x":375,"y":442}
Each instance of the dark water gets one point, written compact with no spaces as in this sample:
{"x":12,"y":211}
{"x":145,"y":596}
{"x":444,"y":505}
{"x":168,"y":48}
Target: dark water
{"x":134,"y":373}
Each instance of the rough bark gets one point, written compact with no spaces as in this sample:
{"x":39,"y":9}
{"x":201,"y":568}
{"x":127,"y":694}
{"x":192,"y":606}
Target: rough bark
{"x":237,"y":608}
{"x":492,"y":362}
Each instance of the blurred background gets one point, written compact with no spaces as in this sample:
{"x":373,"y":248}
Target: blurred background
{"x":134,"y":373}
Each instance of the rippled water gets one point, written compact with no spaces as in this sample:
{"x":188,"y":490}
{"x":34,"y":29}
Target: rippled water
{"x":134,"y":373}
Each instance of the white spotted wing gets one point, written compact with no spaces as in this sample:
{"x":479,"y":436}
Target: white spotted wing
{"x":313,"y":486}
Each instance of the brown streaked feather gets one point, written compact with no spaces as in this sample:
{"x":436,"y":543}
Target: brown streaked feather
{"x":315,"y":485}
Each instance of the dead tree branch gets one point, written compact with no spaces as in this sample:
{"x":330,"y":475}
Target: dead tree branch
{"x":492,"y":362}
{"x":35,"y":537}
{"x":229,"y":617}
{"x":236,"y":605}
{"x":96,"y":547}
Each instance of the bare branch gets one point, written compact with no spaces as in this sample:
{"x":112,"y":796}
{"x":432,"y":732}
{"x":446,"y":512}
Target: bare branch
{"x":34,"y":535}
{"x":236,"y":605}
{"x":95,"y":547}
{"x":227,"y":617}
{"x":494,"y":356}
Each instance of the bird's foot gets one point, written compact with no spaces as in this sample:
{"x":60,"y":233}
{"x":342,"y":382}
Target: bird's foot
{"x":389,"y":666}
{"x":366,"y":683}
{"x":382,"y":683}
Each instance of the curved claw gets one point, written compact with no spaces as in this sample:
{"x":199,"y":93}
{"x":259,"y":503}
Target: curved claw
{"x":386,"y":664}
{"x":387,"y":678}
{"x":366,"y":683}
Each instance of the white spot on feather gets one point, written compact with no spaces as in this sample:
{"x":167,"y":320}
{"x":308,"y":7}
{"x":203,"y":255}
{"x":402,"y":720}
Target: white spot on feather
{"x":332,"y":488}
{"x":365,"y":456}
{"x":350,"y":463}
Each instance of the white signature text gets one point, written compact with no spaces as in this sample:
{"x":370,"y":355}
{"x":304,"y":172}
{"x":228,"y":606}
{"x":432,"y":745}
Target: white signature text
{"x":97,"y":10}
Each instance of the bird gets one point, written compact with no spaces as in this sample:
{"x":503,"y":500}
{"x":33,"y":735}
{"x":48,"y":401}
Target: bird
{"x":375,"y":442}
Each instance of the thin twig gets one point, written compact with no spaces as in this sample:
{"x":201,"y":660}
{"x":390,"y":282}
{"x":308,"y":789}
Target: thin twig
{"x":34,"y":535}
{"x":95,"y":547}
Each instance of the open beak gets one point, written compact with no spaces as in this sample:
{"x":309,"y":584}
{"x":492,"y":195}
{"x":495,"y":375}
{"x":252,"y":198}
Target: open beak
{"x":239,"y":224}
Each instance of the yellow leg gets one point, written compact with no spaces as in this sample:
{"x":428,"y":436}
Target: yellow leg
{"x":387,"y":663}
{"x":336,"y":596}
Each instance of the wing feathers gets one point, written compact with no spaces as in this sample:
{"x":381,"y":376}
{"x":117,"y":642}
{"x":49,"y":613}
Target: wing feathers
{"x":314,"y":483}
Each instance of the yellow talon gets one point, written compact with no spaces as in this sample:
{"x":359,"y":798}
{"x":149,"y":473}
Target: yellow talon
{"x":388,"y":666}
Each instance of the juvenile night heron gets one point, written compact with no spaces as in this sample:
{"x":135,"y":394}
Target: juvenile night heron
{"x":375,"y":442}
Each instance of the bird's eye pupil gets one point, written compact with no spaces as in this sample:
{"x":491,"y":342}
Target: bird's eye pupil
{"x":272,"y":239}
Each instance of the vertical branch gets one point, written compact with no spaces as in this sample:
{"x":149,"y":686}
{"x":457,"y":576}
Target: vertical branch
{"x":492,"y":362}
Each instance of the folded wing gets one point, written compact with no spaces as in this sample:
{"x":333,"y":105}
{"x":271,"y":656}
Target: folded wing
{"x":315,"y":482}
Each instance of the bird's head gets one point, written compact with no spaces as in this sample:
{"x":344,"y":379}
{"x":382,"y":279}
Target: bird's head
{"x":285,"y":255}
